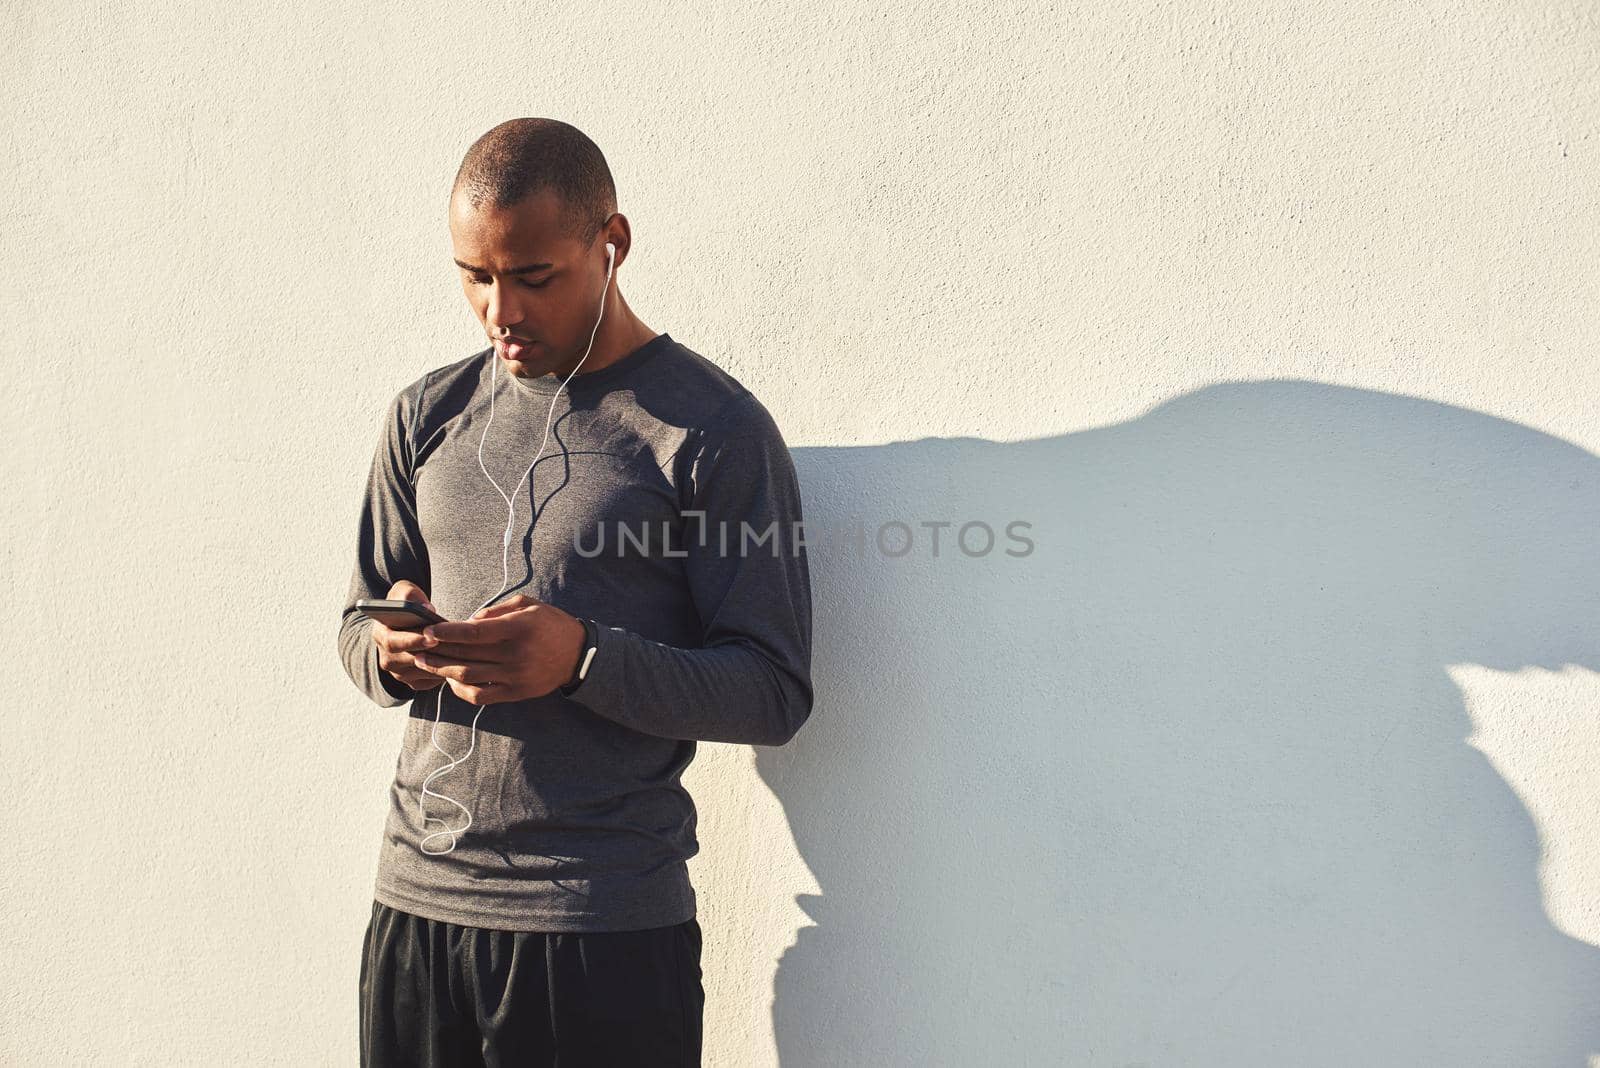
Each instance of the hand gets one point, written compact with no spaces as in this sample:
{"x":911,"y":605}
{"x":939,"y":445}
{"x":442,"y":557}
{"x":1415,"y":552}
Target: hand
{"x":395,"y":647}
{"x":511,"y":651}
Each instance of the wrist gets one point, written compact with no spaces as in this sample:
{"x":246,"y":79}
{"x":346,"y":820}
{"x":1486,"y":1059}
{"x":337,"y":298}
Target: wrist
{"x":585,"y":654}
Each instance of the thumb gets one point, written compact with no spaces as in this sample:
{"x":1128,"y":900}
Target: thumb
{"x":514,"y":603}
{"x":406,"y":590}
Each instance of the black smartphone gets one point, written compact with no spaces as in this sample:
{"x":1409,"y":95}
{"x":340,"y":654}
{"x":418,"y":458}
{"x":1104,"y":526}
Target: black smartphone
{"x":399,"y":615}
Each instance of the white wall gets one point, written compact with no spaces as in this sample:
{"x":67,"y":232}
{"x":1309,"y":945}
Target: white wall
{"x":1277,"y":322}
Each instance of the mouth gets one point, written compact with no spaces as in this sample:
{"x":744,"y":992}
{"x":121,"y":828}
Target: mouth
{"x":513,"y":348}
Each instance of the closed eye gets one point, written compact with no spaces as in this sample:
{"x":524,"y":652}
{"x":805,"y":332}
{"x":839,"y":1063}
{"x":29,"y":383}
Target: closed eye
{"x":530,"y":285}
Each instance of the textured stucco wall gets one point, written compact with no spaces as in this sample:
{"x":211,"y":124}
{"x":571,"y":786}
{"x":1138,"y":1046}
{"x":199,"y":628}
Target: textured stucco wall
{"x":1277,"y":322}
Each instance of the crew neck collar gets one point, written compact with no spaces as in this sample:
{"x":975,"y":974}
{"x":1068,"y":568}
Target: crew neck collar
{"x":588,"y":381}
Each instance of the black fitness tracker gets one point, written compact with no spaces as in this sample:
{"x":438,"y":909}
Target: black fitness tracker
{"x":591,"y":644}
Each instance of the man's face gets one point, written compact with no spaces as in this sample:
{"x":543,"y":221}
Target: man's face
{"x":522,"y":276}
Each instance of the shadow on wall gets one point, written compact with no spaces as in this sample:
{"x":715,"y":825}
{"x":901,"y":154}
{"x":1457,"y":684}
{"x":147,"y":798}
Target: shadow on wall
{"x":1189,"y":783}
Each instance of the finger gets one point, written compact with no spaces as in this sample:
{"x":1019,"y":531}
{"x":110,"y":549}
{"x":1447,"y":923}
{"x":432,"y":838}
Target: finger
{"x":474,"y":672}
{"x":480,"y":695}
{"x":396,"y":662}
{"x":406,"y":590}
{"x":472,"y":631}
{"x":418,"y":680}
{"x":486,"y":652}
{"x":429,"y":659}
{"x":400,"y":666}
{"x":510,"y":604}
{"x":401,"y":641}
{"x":397,"y":640}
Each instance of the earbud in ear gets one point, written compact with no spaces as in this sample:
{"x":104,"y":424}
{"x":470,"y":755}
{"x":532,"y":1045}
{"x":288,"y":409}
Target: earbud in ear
{"x":611,"y":250}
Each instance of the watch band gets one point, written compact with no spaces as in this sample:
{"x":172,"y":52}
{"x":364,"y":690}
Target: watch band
{"x":591,"y":645}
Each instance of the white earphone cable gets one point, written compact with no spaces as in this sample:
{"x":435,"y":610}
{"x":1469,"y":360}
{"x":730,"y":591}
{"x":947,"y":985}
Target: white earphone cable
{"x":505,"y":565}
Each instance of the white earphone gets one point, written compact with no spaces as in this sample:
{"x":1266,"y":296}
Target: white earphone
{"x":505,"y":564}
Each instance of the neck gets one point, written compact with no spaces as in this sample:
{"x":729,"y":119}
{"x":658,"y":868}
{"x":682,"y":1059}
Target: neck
{"x":620,"y":332}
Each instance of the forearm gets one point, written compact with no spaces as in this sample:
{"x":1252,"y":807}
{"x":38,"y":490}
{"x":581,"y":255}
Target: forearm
{"x":731,"y":692}
{"x":359,"y":655}
{"x":389,"y":547}
{"x":748,"y":679}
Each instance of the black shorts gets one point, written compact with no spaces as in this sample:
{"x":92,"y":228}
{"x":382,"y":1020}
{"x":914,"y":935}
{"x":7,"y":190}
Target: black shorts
{"x":436,"y":994}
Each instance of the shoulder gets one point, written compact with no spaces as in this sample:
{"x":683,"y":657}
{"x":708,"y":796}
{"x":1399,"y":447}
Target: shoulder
{"x":455,"y":381}
{"x":433,"y":398}
{"x":714,"y":403}
{"x":427,"y":389}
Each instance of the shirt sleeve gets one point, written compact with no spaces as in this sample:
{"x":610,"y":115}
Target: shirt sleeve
{"x":389,"y":548}
{"x":750,"y":680}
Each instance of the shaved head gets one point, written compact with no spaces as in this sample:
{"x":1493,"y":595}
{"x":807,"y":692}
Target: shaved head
{"x":522,"y":157}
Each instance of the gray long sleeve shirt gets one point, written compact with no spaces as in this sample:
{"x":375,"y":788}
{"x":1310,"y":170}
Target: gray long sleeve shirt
{"x":665,"y":508}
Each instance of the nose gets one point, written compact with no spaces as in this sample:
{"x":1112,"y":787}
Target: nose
{"x":501,"y":316}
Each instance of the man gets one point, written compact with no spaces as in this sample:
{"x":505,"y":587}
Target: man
{"x":632,"y":581}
